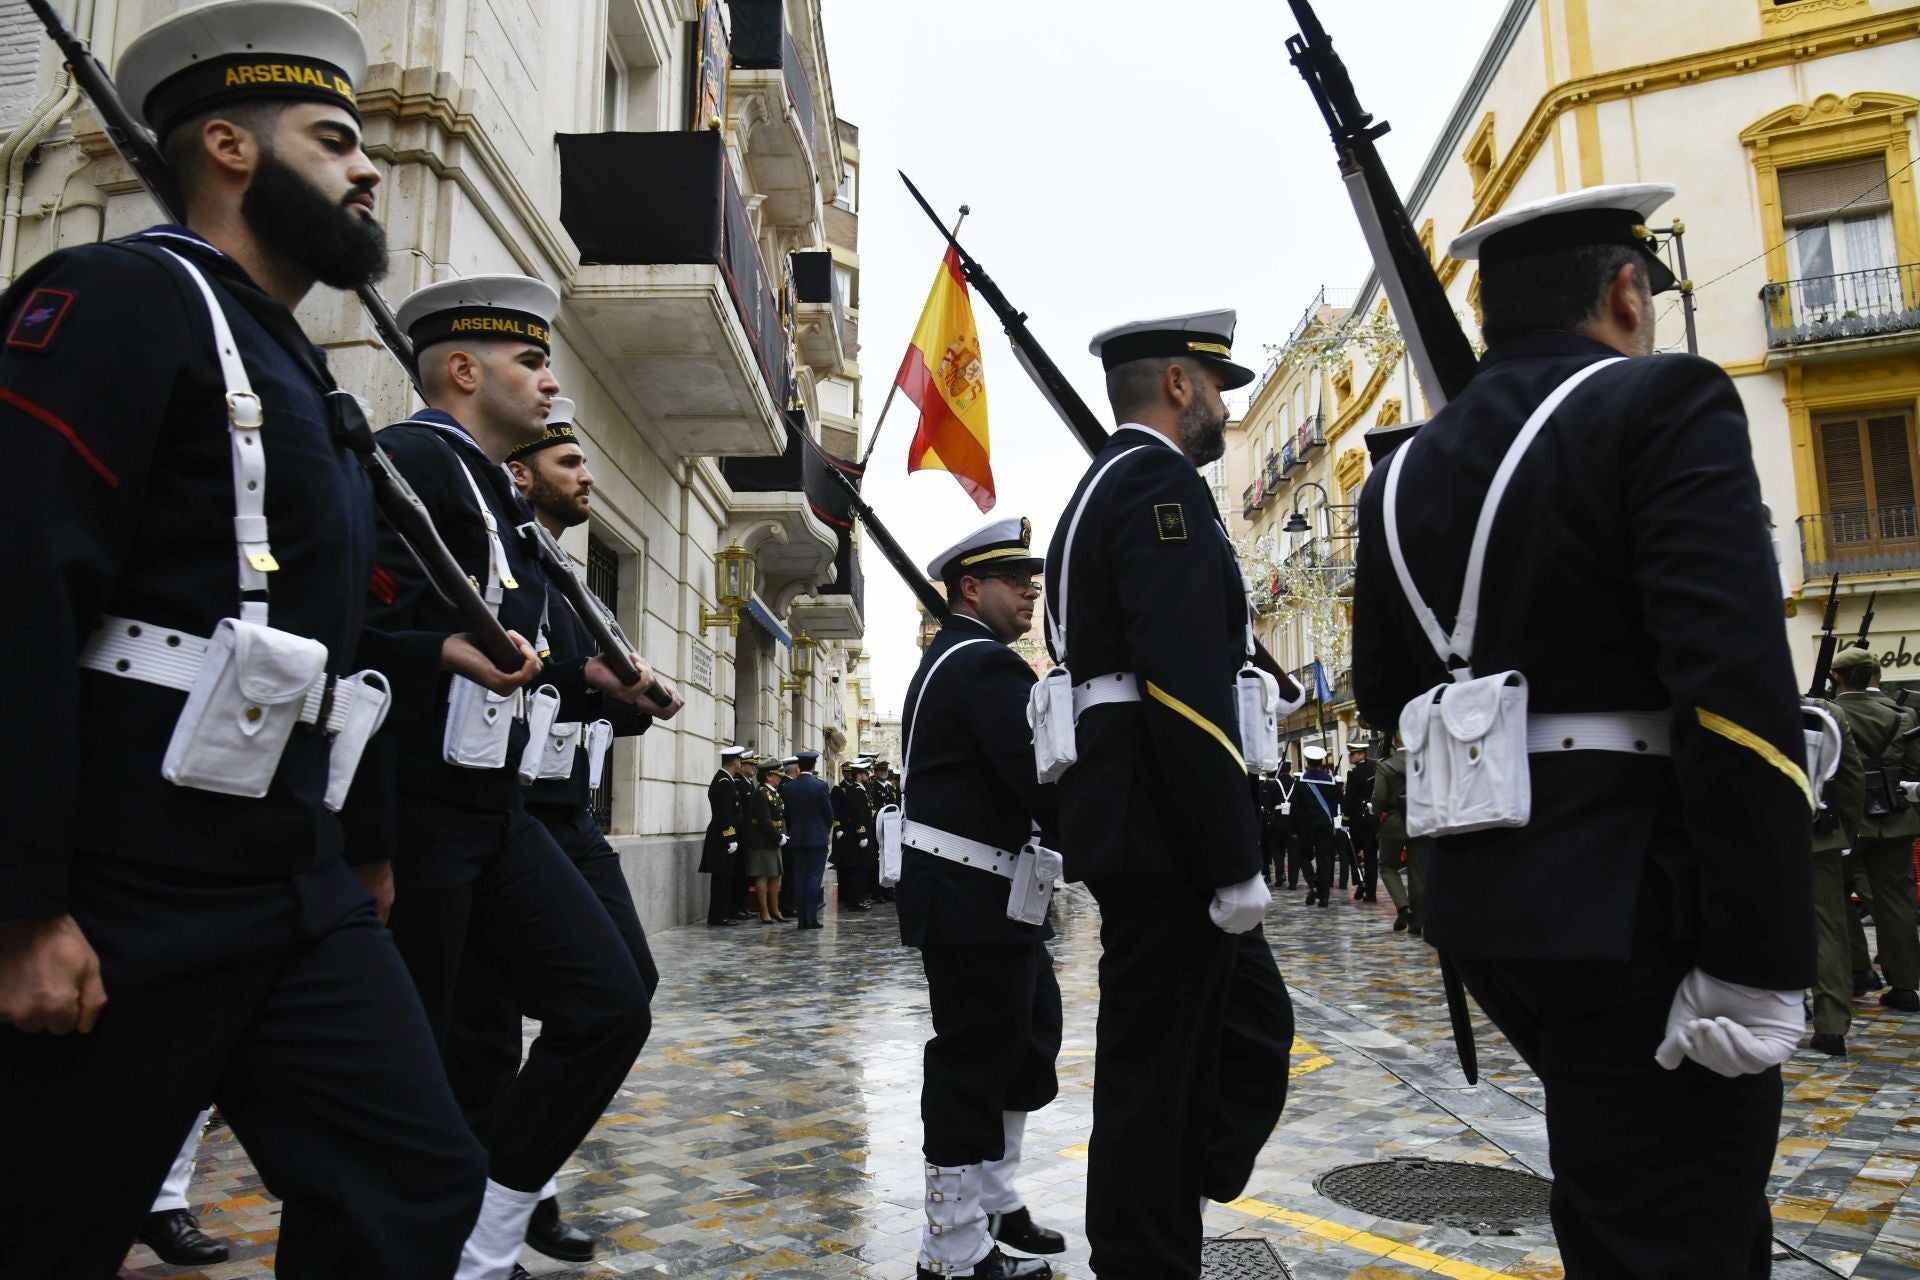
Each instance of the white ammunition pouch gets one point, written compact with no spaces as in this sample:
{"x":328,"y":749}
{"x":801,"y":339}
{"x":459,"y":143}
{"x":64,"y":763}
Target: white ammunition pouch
{"x":1257,"y":697}
{"x":888,"y":822}
{"x":246,"y":688}
{"x":1050,"y":716}
{"x":542,"y":710}
{"x":479,"y":724}
{"x":1033,"y":880}
{"x":1467,"y":742}
{"x":1031,"y":872}
{"x":249,"y":684}
{"x":599,"y":737}
{"x":556,"y":747}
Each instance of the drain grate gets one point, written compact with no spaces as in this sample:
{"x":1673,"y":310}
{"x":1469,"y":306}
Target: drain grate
{"x":1241,"y":1260}
{"x":1440,"y":1192}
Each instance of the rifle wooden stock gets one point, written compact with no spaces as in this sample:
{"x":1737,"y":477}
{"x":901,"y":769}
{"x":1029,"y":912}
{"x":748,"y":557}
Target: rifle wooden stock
{"x":1086,"y":427}
{"x":392,"y":494}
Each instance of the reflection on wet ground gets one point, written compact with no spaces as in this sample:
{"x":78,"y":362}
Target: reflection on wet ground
{"x":771,"y":1129}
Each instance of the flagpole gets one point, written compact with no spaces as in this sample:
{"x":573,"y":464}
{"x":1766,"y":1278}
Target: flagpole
{"x":895,"y":388}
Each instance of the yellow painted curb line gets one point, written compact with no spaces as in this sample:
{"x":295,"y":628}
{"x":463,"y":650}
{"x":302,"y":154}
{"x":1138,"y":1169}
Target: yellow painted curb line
{"x":1364,"y":1241}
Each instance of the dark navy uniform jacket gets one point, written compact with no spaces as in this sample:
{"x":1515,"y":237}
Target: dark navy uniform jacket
{"x":117,"y":429}
{"x":809,"y":805}
{"x":568,"y":640}
{"x":853,"y":810}
{"x":723,"y":827}
{"x":435,"y":454}
{"x":971,"y":773}
{"x":1160,"y":787}
{"x":1629,"y":569}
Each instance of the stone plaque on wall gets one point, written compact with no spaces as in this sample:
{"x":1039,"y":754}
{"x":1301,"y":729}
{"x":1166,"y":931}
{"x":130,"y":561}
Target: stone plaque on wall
{"x":701,"y":676}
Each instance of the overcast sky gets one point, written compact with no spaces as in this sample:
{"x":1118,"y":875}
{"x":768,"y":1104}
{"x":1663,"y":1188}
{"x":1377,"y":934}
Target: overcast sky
{"x":1123,"y":159}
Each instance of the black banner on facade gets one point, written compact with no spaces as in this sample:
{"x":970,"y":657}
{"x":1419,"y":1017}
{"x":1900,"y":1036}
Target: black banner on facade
{"x":711,"y":64}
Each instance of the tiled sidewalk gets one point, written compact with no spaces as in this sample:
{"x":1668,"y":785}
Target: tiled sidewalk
{"x":771,"y":1129}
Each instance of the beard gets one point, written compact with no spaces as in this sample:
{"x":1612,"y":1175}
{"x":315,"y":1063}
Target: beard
{"x":550,"y":499}
{"x":1203,"y":433}
{"x":336,"y":245}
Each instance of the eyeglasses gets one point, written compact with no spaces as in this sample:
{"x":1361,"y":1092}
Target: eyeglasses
{"x":1020,"y":582}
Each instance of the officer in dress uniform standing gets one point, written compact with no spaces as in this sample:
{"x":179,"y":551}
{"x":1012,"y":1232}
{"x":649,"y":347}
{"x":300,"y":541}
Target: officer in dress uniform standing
{"x":720,"y":851}
{"x":974,"y":802}
{"x":763,"y":837}
{"x":854,"y":841}
{"x":483,"y":1046}
{"x":473,"y":870}
{"x":1195,"y":1024}
{"x":1315,"y":803}
{"x":1645,"y":938}
{"x":177,"y":922}
{"x":809,"y":831}
{"x":1356,"y":805}
{"x":1888,"y":824}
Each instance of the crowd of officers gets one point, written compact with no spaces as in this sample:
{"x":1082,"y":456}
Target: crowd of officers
{"x":755,"y":858}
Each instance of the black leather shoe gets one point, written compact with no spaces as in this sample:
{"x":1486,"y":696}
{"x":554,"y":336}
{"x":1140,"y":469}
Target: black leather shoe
{"x":1018,"y":1230}
{"x":1902,"y":999}
{"x":998,"y":1266}
{"x":1867,"y":981}
{"x":1402,"y":920}
{"x":176,"y":1236}
{"x":519,"y":1273}
{"x":547,"y":1233}
{"x":1832,"y":1045}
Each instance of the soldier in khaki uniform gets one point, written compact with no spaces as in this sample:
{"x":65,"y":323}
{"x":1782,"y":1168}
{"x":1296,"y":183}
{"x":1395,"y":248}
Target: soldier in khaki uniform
{"x":1835,"y":829}
{"x":1884,"y":848}
{"x":1390,"y":807}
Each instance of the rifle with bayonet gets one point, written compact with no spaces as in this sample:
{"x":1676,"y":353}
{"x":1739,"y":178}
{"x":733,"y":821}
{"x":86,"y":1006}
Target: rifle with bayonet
{"x":1439,"y":349}
{"x":615,"y":649}
{"x":1087,"y":429}
{"x":1866,"y":622}
{"x":396,"y":499}
{"x":1823,"y":663}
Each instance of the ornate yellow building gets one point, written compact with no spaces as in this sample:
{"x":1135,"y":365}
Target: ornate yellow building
{"x":1789,"y":128}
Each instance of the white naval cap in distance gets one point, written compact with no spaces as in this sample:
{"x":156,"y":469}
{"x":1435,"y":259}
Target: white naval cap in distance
{"x":560,"y":412}
{"x":1314,"y":754}
{"x":238,"y":50}
{"x":732,"y":753}
{"x":1615,"y":213}
{"x":1199,"y":335}
{"x":481,"y":308}
{"x":998,"y":544}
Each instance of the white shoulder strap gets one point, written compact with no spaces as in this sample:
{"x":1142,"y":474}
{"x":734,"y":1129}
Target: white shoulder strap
{"x":914,"y":727}
{"x":499,"y":573}
{"x":1458,"y":647}
{"x":1057,"y":592}
{"x":244,"y":421}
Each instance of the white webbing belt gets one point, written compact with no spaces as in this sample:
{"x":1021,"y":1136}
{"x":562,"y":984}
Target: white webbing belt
{"x":172,"y":659}
{"x":499,"y":572}
{"x":244,"y":420}
{"x":1634,"y":733}
{"x":968,"y":853}
{"x":1118,"y":686}
{"x":1056,"y":602}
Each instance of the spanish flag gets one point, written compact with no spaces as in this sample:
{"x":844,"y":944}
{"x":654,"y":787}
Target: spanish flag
{"x":942,"y":375}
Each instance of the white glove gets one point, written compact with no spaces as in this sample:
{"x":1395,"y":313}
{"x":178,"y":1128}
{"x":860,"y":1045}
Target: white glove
{"x":1912,"y":791}
{"x":783,"y":840}
{"x":1240,"y":907}
{"x":1730,"y":1029}
{"x":863,"y":839}
{"x":733,"y":846}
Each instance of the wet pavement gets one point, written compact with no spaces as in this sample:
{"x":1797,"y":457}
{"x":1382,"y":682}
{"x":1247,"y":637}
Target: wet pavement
{"x":771,"y":1129}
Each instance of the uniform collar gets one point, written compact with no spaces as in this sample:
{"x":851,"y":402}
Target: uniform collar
{"x":1545,"y":342}
{"x":442,"y":421}
{"x":1157,"y":435}
{"x":957,"y":616}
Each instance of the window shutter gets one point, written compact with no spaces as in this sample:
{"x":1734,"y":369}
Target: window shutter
{"x":1841,"y":466}
{"x":1817,"y":194}
{"x":1892,"y":462}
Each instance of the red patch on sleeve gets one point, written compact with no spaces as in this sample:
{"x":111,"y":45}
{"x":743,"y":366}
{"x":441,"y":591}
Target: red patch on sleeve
{"x":381,"y":585}
{"x":39,"y":319}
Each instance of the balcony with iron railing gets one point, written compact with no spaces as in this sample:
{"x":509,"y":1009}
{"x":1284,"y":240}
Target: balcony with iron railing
{"x":1858,"y":307}
{"x":1273,"y":470}
{"x":1312,"y":436}
{"x":820,"y":315}
{"x":1865,"y":540}
{"x":1251,"y":501}
{"x":1289,"y":457}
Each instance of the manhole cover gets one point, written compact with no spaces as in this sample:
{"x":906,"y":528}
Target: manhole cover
{"x":1440,"y":1192}
{"x":1241,"y":1260}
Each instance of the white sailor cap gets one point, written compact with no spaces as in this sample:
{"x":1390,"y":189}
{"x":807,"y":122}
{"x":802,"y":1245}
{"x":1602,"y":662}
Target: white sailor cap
{"x":1315,"y":754}
{"x":732,"y":753}
{"x":1200,"y":335}
{"x":1616,"y":213}
{"x":1000,"y":544}
{"x":215,"y":54}
{"x":859,"y":762}
{"x":559,"y":430}
{"x":481,"y":308}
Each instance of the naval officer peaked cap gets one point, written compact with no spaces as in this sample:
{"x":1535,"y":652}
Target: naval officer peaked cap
{"x":240,"y":50}
{"x":559,"y":430}
{"x":480,"y":309}
{"x":1003,"y":544}
{"x":1613,"y":214}
{"x":730,"y":753}
{"x":1206,"y":336}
